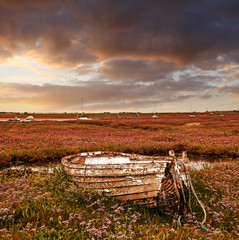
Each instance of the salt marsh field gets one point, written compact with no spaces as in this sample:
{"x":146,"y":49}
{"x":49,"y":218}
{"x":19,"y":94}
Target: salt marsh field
{"x":45,"y":204}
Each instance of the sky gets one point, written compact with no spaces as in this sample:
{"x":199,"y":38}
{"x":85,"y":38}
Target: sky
{"x":119,"y":56}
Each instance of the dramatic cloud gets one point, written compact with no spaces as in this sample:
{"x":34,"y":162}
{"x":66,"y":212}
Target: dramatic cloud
{"x":141,"y":70}
{"x":4,"y":54}
{"x":233,"y":90}
{"x":105,"y":94}
{"x":132,"y":52}
{"x":181,"y":32}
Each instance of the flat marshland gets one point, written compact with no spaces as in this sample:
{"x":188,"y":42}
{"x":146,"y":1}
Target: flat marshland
{"x":49,"y":206}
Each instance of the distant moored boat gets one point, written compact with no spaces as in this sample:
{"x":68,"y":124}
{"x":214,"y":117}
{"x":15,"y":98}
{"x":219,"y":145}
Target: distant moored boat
{"x":30,"y":118}
{"x":16,"y":119}
{"x":83,"y":117}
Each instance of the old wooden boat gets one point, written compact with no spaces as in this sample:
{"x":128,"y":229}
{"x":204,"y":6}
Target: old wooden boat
{"x":149,"y":180}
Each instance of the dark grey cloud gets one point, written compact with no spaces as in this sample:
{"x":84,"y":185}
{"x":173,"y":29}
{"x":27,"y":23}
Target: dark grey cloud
{"x":182,"y":31}
{"x":227,"y":8}
{"x":138,"y":70}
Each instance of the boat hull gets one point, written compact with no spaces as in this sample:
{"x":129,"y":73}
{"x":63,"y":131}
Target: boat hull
{"x":120,"y":175}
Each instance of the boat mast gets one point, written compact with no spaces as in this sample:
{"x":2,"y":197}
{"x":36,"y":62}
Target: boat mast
{"x":82,"y":102}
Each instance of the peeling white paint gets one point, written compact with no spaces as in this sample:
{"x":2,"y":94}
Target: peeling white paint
{"x":139,"y":181}
{"x":106,"y":160}
{"x":106,"y":190}
{"x":139,"y":167}
{"x":121,"y":175}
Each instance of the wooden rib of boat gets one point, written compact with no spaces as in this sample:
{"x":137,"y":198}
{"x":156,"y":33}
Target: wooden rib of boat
{"x":150,"y":180}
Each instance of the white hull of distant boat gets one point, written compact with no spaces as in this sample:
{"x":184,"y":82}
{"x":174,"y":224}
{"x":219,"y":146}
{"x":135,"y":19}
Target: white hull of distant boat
{"x":30,"y":118}
{"x":84,"y":118}
{"x":16,"y":119}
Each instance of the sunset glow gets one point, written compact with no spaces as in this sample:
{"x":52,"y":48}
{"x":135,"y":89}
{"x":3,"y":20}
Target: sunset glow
{"x":139,"y":56}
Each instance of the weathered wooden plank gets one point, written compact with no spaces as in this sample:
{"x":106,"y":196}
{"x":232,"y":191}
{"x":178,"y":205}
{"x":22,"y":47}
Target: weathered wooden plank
{"x":105,"y":179}
{"x":117,"y":184}
{"x":134,"y":165}
{"x":137,"y":196}
{"x":128,"y":190}
{"x":108,"y":158}
{"x":95,"y":179}
{"x":115,"y":172}
{"x":83,"y":156}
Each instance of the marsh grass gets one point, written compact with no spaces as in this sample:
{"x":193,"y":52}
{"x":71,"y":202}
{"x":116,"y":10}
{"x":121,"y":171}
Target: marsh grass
{"x":48,"y":140}
{"x":50,"y":206}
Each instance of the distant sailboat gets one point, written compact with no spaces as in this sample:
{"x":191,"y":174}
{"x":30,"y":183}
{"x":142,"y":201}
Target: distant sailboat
{"x":155,"y":114}
{"x":16,"y":119}
{"x":191,"y":115}
{"x":83,"y":116}
{"x":30,"y":118}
